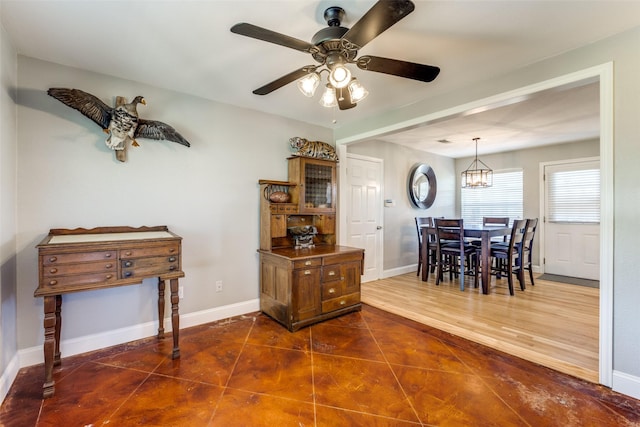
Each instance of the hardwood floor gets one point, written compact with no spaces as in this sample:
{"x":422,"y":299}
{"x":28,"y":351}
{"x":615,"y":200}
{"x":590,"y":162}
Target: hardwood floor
{"x":553,"y":324}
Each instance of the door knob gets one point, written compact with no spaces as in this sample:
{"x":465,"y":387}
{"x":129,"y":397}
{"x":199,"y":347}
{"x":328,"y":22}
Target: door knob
{"x":379,"y":227}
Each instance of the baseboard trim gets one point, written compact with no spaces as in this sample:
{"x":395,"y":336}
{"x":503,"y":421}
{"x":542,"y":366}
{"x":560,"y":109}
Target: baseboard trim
{"x":8,"y":377}
{"x":626,"y":384}
{"x":399,"y":270}
{"x":34,"y":355}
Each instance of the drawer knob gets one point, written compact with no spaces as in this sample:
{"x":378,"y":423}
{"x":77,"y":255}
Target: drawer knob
{"x":332,"y":273}
{"x":109,"y":276}
{"x":332,"y":290}
{"x":343,"y":302}
{"x":127,"y":274}
{"x":172,"y":267}
{"x":171,"y":250}
{"x":128,"y":264}
{"x":109,"y":265}
{"x":108,"y":255}
{"x":53,"y":270}
{"x":53,"y":282}
{"x":172,"y":259}
{"x":307,"y":272}
{"x":342,"y":278}
{"x":128,"y":253}
{"x":53,"y":259}
{"x":308,"y":262}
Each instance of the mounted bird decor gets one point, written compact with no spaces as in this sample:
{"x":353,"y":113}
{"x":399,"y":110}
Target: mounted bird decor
{"x":121,"y":122}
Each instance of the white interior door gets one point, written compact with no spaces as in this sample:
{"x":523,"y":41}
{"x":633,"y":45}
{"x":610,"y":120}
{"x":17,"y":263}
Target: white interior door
{"x":364,"y":216}
{"x":572,"y":214}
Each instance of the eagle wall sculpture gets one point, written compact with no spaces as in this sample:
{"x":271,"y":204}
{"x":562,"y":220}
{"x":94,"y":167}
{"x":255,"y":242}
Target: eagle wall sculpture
{"x":121,"y":122}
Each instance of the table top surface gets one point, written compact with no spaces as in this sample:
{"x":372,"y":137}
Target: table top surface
{"x":108,"y":237}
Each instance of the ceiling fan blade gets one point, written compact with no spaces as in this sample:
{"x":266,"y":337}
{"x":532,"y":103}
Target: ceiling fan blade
{"x":379,"y":18}
{"x":282,"y":81}
{"x":409,"y":70}
{"x":344,"y":99}
{"x":263,"y":34}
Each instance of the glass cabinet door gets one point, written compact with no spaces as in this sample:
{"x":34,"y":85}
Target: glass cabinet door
{"x":317,"y":184}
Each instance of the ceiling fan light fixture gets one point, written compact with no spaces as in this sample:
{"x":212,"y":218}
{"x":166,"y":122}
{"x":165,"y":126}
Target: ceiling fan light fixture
{"x":329,"y":97}
{"x":478,"y":174}
{"x":340,"y":76}
{"x":308,"y":84}
{"x":357,"y":91}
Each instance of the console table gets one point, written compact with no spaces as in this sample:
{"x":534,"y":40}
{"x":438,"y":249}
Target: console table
{"x":87,"y":259}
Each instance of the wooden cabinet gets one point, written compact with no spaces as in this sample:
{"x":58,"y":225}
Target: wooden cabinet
{"x":302,"y":287}
{"x":299,"y":287}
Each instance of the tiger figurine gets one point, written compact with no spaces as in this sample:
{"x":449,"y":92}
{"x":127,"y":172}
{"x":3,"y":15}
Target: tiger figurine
{"x":316,"y":149}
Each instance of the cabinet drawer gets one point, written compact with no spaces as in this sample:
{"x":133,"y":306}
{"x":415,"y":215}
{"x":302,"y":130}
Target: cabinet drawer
{"x":82,"y":268}
{"x":69,"y":258}
{"x":332,"y":272}
{"x":78,"y":279}
{"x":288,"y":208}
{"x":166,"y":249}
{"x":332,"y":290}
{"x":340,"y":302}
{"x":149,"y":266}
{"x":306,"y":263}
{"x":338,"y":259}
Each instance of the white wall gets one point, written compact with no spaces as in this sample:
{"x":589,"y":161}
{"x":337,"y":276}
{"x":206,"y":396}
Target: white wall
{"x":400,"y":236}
{"x":529,"y":161}
{"x":208,"y":194}
{"x":8,"y":228}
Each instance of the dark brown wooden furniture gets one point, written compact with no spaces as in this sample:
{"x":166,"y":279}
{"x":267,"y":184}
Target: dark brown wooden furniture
{"x":485,"y":234}
{"x":451,"y":243}
{"x":510,"y":255}
{"x":86,"y":259}
{"x":300,"y":286}
{"x":431,"y":250}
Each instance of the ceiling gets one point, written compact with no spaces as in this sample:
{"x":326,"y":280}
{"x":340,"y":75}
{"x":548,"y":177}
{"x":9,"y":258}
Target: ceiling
{"x":186,"y":46}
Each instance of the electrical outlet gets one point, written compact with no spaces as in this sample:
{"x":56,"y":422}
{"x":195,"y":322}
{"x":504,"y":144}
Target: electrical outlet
{"x":181,"y":292}
{"x":218,"y":285}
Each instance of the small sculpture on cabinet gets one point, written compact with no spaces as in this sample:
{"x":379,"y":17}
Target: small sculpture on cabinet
{"x":315,"y":149}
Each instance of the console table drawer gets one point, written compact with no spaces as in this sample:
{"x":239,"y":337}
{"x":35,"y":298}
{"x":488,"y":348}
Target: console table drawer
{"x":74,"y":257}
{"x":149,"y":266}
{"x":82,"y":268}
{"x":306,"y":263}
{"x":169,"y":249}
{"x":78,"y":279}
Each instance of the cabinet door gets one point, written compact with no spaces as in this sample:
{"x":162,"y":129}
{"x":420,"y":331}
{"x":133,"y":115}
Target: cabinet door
{"x":317,"y":184}
{"x":351,"y":273}
{"x":305,"y":294}
{"x":278,"y":225}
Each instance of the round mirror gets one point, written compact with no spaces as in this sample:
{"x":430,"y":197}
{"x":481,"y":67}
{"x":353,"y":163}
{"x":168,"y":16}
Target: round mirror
{"x":422,"y":186}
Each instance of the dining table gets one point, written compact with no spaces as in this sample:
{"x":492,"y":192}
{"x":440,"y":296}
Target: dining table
{"x":485,"y":233}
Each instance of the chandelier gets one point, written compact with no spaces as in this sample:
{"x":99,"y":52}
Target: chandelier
{"x":475,"y":176}
{"x":341,"y":87}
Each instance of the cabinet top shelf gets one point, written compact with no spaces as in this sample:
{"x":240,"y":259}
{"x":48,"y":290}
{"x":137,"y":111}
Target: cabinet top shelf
{"x":271,"y":182}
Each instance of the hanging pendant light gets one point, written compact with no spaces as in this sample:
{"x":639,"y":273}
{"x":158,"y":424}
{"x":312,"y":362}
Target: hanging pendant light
{"x":475,"y":176}
{"x":329,"y":97}
{"x":309,"y":84}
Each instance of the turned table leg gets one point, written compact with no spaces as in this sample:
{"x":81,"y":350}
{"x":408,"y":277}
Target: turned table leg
{"x":51,"y":311}
{"x":175,"y":318}
{"x":160,"y":308}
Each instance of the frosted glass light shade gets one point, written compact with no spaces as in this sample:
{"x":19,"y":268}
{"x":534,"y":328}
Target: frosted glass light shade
{"x":308,"y":84}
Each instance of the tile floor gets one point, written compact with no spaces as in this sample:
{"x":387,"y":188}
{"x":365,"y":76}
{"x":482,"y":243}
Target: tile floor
{"x":369,"y":368}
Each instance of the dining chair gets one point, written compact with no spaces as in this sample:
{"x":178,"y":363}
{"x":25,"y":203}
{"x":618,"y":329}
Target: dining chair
{"x":451,"y":245}
{"x":423,"y":222}
{"x":509,"y":256}
{"x":527,"y":247}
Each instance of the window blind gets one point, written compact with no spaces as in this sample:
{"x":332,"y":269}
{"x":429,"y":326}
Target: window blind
{"x":504,"y":198}
{"x":573,"y":196}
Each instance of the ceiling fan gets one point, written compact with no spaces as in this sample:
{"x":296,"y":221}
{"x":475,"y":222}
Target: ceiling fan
{"x":335,"y":46}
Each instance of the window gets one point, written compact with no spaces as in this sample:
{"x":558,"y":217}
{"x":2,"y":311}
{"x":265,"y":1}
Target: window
{"x":503,"y":199}
{"x":573,"y":193}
